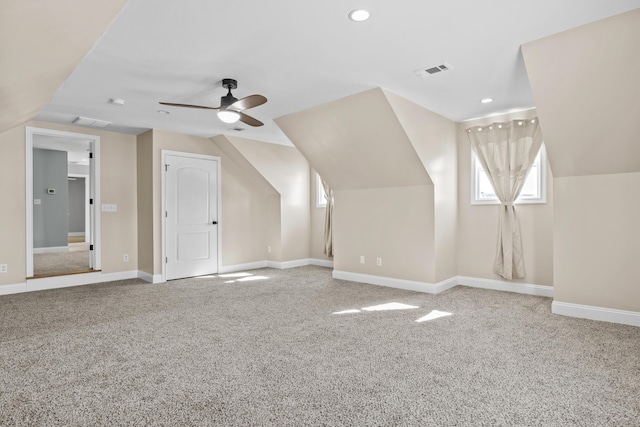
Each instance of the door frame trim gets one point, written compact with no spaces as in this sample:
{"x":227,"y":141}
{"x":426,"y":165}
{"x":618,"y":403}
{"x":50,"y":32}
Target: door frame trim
{"x":163,"y":155}
{"x":94,"y":141}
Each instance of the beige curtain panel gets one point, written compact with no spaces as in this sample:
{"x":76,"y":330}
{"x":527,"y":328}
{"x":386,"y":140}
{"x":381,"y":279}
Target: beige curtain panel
{"x":506,"y":151}
{"x":328,"y":220}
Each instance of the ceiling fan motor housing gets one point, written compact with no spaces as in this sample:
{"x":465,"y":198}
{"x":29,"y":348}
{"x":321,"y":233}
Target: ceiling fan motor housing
{"x":228,"y":99}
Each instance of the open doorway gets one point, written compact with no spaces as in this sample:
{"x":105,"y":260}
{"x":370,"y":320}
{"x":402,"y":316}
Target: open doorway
{"x":62,"y":194}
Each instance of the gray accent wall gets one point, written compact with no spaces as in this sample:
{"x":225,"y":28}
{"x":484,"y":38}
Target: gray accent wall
{"x":50,"y":217}
{"x":76,"y":205}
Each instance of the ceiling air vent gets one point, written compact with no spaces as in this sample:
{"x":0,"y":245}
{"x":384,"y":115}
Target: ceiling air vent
{"x":84,"y":121}
{"x":237,"y":129}
{"x":429,"y":71}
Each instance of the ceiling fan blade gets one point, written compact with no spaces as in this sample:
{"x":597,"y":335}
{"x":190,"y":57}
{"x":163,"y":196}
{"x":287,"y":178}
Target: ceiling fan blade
{"x":249,"y":102}
{"x":189,"y":106}
{"x":249,"y":120}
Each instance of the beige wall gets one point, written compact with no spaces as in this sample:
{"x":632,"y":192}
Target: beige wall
{"x":145,"y":201}
{"x":478,"y":224}
{"x":395,"y":224}
{"x":13,"y":208}
{"x":365,"y":146}
{"x":248,"y":208}
{"x":589,"y":117}
{"x":597,"y":240}
{"x":585,"y":84}
{"x":288,"y":172}
{"x":356,"y":143}
{"x":118,"y":177}
{"x":434,"y":139}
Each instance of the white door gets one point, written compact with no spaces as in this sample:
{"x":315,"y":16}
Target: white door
{"x":191,"y":217}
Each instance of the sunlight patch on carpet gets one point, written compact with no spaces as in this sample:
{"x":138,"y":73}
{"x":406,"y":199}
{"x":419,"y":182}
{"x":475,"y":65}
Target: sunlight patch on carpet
{"x":248,"y":279}
{"x":390,"y":306}
{"x":380,"y":307}
{"x":235,"y":275}
{"x":435,"y":314}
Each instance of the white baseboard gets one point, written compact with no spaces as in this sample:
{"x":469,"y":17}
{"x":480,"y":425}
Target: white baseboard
{"x":435,"y":288}
{"x":148,"y":277}
{"x":300,"y":263}
{"x":501,"y":285}
{"x":240,"y":267}
{"x":409,"y":285}
{"x":602,"y":314}
{"x":321,"y":262}
{"x":16,"y":288}
{"x":121,"y":275}
{"x":275,"y":264}
{"x":51,"y":249}
{"x":67,"y":281}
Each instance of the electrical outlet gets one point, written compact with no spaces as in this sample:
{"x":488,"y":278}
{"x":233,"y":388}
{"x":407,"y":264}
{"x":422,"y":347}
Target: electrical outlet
{"x":125,"y":257}
{"x":109,"y":207}
{"x":3,"y":268}
{"x":361,"y":259}
{"x":268,"y":249}
{"x":378,"y":261}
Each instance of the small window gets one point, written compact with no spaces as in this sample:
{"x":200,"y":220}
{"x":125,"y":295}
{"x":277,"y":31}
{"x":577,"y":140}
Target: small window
{"x":321,"y":195}
{"x":534,"y":190}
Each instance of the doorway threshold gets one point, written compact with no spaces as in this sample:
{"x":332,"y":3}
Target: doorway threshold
{"x":66,"y":273}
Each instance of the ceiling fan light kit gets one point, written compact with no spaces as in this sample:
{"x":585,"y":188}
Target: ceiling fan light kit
{"x":228,"y":116}
{"x":230,"y":109}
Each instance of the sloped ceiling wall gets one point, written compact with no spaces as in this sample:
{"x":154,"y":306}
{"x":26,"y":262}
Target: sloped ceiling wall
{"x":41,"y":43}
{"x":248,"y":170}
{"x":384,"y":196}
{"x":586,"y":84}
{"x":434,"y":139}
{"x":356,"y":143}
{"x":287,"y":171}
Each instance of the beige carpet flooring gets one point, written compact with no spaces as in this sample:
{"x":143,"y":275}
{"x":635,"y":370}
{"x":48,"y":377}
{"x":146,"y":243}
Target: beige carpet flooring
{"x":76,"y":259}
{"x":269,"y":349}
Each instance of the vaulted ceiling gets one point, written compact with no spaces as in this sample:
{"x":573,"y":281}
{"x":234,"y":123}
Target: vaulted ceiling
{"x":298,"y":54}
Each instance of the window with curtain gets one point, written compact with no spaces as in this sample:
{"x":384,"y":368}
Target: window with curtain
{"x":321,"y":196}
{"x":533,"y":191}
{"x":507,"y":151}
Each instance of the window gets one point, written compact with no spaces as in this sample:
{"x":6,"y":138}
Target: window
{"x":321,"y":200}
{"x":534,"y":190}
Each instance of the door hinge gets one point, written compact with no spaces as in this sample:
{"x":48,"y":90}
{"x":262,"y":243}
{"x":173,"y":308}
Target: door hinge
{"x":166,"y":214}
{"x":90,"y":247}
{"x":91,"y":155}
{"x":166,"y":168}
{"x":166,"y":260}
{"x":90,"y":201}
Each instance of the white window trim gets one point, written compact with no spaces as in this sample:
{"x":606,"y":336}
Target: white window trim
{"x":520,"y":201}
{"x":321,"y":198}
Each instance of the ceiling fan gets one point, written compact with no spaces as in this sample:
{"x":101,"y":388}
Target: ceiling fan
{"x":231,"y":108}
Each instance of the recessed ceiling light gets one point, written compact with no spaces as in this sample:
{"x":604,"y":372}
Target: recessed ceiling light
{"x":163,"y":112}
{"x":486,"y":100}
{"x":359,"y":15}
